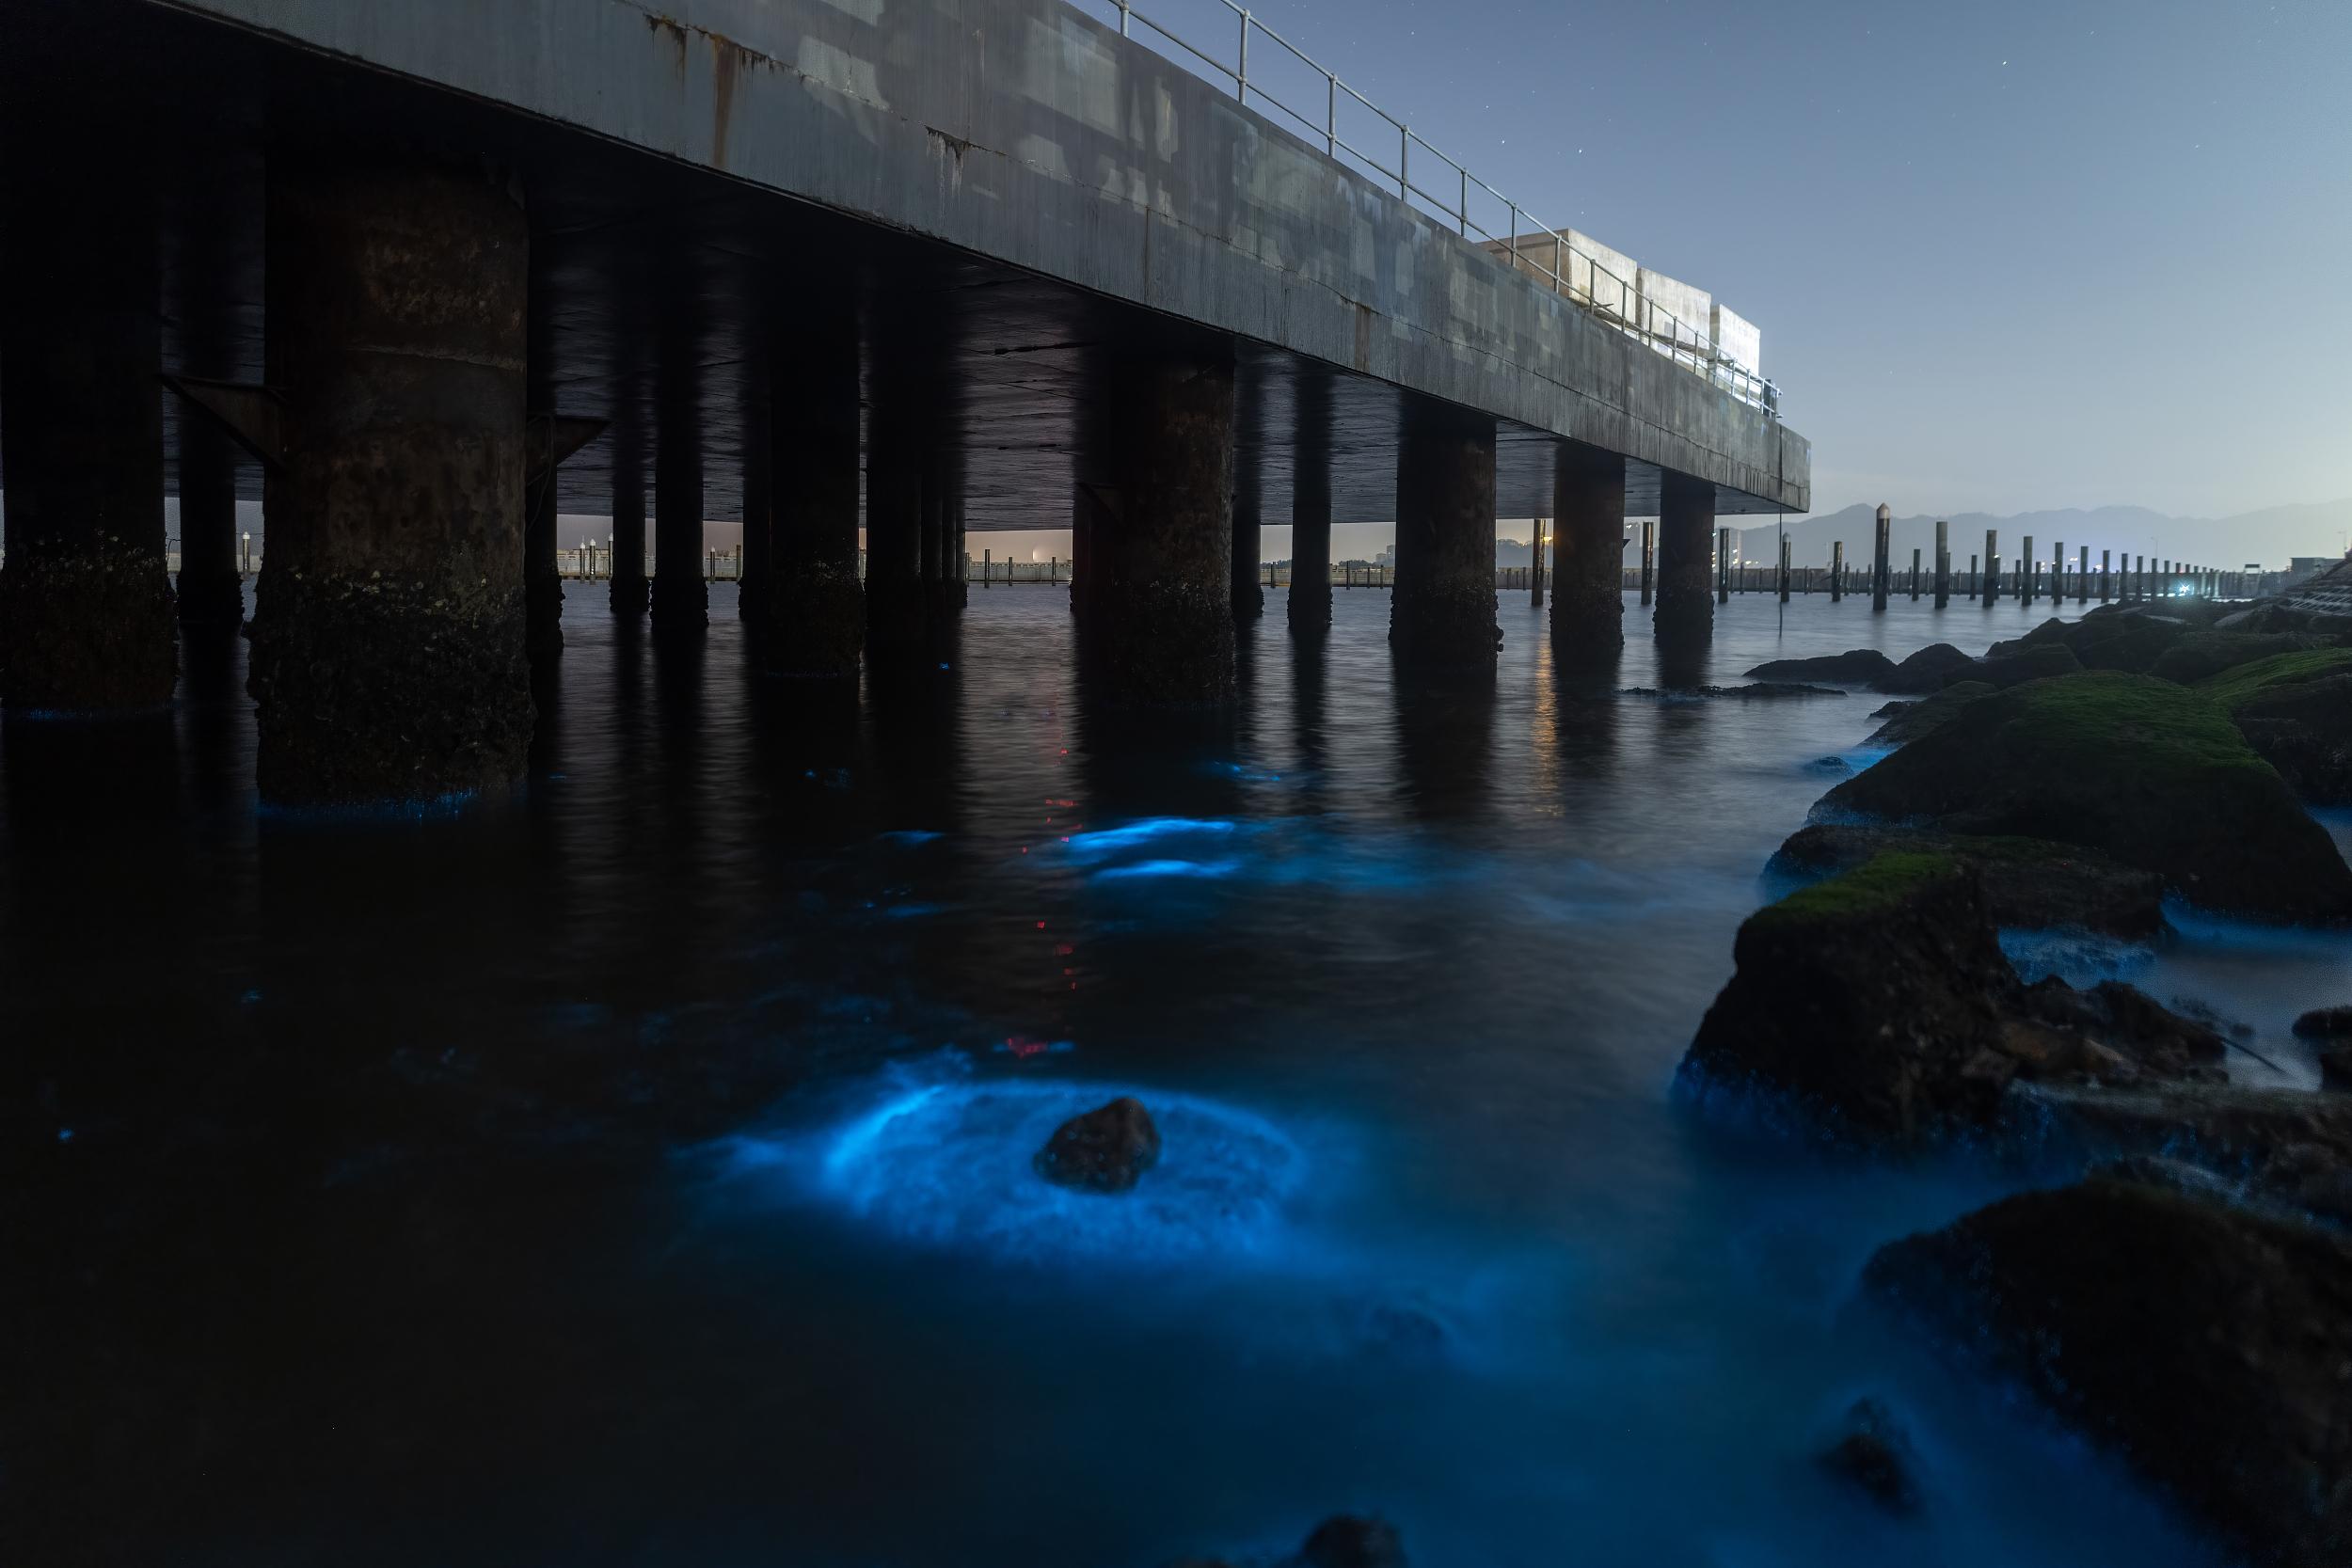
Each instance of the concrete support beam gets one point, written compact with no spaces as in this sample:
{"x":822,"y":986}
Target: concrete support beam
{"x":1837,"y":571}
{"x":1249,"y":598}
{"x":549,"y":439}
{"x":629,"y":590}
{"x":2026,"y":572}
{"x":1943,"y":564}
{"x":86,"y":607}
{"x":759,"y":502}
{"x":1881,"y":544}
{"x":1156,"y":618}
{"x":682,"y":600}
{"x":211,"y":587}
{"x":814,"y":608}
{"x":1991,"y":582}
{"x":2082,"y":578}
{"x":1723,"y":565}
{"x":1441,"y":614}
{"x":2058,"y":574}
{"x":1649,"y":560}
{"x":1686,"y":515}
{"x":2107,"y":575}
{"x":387,"y":657}
{"x":894,"y":497}
{"x":1588,"y":546}
{"x":1311,"y":508}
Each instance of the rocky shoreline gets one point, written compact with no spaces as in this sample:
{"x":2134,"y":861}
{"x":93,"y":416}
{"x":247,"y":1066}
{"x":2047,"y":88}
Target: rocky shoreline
{"x":2185,"y":1299}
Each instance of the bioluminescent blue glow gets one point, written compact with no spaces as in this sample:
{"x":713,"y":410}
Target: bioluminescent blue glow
{"x":1105,"y":842}
{"x":1143,"y":869}
{"x":2081,"y":958}
{"x":945,"y":1163}
{"x":436,"y":808}
{"x":909,"y":837}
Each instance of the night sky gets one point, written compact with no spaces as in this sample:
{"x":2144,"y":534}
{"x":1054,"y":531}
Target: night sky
{"x":2006,"y":255}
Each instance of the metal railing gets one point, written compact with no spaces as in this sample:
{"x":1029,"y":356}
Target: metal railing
{"x":1611,"y":299}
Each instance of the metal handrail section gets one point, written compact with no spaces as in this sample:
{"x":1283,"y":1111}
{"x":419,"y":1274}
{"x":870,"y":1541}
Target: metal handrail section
{"x":1693,"y":346}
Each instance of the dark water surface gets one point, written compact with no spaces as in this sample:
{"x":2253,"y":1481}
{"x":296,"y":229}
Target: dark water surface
{"x":636,"y":1171}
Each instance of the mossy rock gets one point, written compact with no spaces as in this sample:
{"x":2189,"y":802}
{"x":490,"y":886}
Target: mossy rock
{"x":2202,"y":654}
{"x":1886,"y":883}
{"x":2243,"y":681}
{"x":2041,"y":661}
{"x":2152,"y":773}
{"x":2203,"y":1340}
{"x":1922,"y":717}
{"x":2027,"y":883}
{"x":2131,"y":642}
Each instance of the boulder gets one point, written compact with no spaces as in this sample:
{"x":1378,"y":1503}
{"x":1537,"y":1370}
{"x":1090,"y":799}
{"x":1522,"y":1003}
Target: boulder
{"x":1105,"y":1150}
{"x":2039,"y":663}
{"x":2202,"y":654}
{"x":2131,"y":642}
{"x":1926,"y":670}
{"x":2304,"y":730}
{"x":2028,"y":885}
{"x":2050,"y":631}
{"x":2208,"y":1343}
{"x":1918,"y":718}
{"x":2325,"y":1024}
{"x":1874,"y":1453}
{"x":2268,"y":615}
{"x":1347,"y":1541}
{"x":2335,"y":1068}
{"x":2157,"y":1042}
{"x":2150,"y":773}
{"x":1854,"y":667}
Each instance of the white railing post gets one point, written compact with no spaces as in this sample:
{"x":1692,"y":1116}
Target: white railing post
{"x":1241,"y":76}
{"x":1123,"y":18}
{"x":1330,"y":115}
{"x":1461,"y":207}
{"x":1403,"y":160}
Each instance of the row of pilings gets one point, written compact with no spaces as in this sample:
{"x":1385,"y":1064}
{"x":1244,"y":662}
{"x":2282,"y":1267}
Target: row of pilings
{"x":405,"y":431}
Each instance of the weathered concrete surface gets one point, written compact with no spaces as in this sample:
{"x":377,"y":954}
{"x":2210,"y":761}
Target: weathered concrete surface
{"x":1588,"y":547}
{"x":1027,"y":134}
{"x":1442,"y":612}
{"x":1686,"y":527}
{"x":85,"y":610}
{"x":1156,"y":623}
{"x":388,"y":634}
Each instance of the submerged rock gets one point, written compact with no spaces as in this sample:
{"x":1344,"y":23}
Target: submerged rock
{"x":2150,"y":773}
{"x":2208,"y":1343}
{"x":1926,"y":670}
{"x":1105,"y":1150}
{"x":1875,"y":1454}
{"x":1853,"y":667}
{"x":1347,"y":1541}
{"x":1918,"y":719}
{"x":1875,"y":1011}
{"x":2028,"y":885}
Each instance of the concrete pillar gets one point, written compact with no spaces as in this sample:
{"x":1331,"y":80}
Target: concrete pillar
{"x":1882,"y":565}
{"x":1442,"y":612}
{"x":759,"y":504}
{"x":629,"y":587}
{"x":2025,"y":573}
{"x":1248,"y":599}
{"x":1837,"y":571}
{"x":1156,"y":621}
{"x":895,"y":465}
{"x":2106,"y":574}
{"x":1991,"y":581}
{"x":1311,"y":506}
{"x":1686,"y":515}
{"x":1723,"y":565}
{"x":1649,"y":560}
{"x":209,"y":584}
{"x":543,"y":580}
{"x":1943,"y":564}
{"x":1588,"y":546}
{"x":1536,"y":564}
{"x":86,"y":605}
{"x":1784,"y":569}
{"x":387,"y":642}
{"x":813,"y":610}
{"x":681,"y":601}
{"x":2058,"y":573}
{"x":2082,"y":578}
{"x":959,"y":555}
